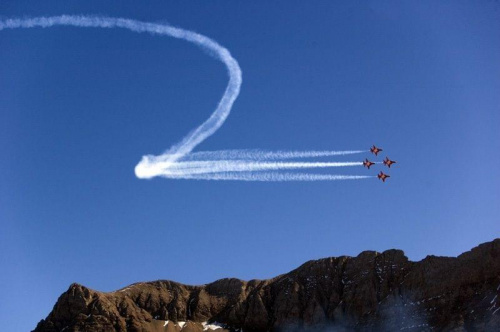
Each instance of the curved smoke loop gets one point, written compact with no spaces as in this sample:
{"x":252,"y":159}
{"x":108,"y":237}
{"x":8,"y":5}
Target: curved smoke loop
{"x":178,"y":162}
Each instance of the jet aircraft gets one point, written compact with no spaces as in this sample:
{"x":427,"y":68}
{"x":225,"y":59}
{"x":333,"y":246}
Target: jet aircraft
{"x":375,"y":150}
{"x":368,"y":163}
{"x":388,"y":162}
{"x":383,"y":176}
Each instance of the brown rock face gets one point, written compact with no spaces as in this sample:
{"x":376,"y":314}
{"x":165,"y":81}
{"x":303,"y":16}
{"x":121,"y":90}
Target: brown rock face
{"x":370,"y":292}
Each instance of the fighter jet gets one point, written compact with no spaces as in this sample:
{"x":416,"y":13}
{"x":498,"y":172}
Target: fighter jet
{"x":388,"y":162}
{"x":368,"y":163}
{"x":383,"y":176}
{"x":375,"y":150}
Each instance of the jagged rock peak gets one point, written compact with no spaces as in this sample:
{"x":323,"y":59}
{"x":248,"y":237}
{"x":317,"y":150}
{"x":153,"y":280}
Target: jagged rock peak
{"x":372,"y":291}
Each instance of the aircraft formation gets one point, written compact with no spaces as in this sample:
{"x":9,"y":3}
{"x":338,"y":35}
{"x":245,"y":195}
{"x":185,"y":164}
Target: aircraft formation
{"x":387,"y":162}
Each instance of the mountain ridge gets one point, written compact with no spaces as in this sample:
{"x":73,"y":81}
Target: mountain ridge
{"x":369,"y":292}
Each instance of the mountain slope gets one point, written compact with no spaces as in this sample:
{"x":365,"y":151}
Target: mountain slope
{"x":372,"y":292}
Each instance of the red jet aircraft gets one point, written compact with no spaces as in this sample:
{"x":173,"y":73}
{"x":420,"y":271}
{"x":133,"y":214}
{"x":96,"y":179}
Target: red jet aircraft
{"x":383,"y":176}
{"x":375,"y":150}
{"x":368,"y":163}
{"x":388,"y":162}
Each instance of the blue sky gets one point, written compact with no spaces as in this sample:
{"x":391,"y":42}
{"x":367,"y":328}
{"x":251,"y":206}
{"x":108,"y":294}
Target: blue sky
{"x":79,"y":107}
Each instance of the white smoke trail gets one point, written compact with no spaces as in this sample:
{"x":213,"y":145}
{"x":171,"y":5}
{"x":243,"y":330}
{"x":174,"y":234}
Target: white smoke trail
{"x":213,"y":165}
{"x":264,"y":155}
{"x":223,"y":166}
{"x":220,"y":114}
{"x":267,"y":177}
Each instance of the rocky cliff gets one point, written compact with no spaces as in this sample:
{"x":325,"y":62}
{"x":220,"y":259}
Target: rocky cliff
{"x":371,"y":292}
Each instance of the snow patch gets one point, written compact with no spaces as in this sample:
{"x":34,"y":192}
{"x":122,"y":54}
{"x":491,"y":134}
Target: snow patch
{"x":212,"y":326}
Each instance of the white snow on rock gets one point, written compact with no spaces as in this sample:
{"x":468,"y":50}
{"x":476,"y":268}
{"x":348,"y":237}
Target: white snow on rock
{"x":211,"y":326}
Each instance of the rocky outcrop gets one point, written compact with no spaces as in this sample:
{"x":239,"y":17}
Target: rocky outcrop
{"x":371,"y":292}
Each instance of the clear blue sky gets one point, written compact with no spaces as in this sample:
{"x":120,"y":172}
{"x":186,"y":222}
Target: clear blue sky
{"x":79,"y":107}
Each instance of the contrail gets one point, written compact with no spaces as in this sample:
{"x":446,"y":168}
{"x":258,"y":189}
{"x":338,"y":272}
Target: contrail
{"x":244,"y":165}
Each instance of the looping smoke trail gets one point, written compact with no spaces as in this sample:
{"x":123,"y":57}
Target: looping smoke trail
{"x":215,"y":165}
{"x":220,"y":114}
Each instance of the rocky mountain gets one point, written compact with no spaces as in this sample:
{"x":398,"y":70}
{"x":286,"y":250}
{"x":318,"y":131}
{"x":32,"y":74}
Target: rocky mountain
{"x":371,"y":292}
